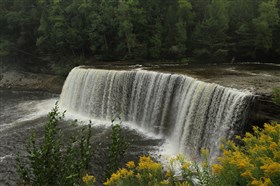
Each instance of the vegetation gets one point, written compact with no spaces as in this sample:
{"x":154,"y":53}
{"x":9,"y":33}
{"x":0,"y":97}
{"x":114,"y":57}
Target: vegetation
{"x":276,"y":95}
{"x":56,"y":162}
{"x":117,"y":149}
{"x":68,"y":30}
{"x":256,"y":163}
{"x":52,"y":162}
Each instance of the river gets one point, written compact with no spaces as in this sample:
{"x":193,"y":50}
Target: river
{"x":23,"y":112}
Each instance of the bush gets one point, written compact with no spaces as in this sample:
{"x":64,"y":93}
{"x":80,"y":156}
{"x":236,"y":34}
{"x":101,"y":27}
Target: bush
{"x":117,"y":148}
{"x":52,"y":162}
{"x":276,"y":95}
{"x":255,"y":163}
{"x":148,"y":172}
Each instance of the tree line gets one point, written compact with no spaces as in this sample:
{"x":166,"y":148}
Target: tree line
{"x":203,"y":30}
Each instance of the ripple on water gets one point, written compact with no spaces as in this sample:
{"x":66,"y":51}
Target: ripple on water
{"x":25,"y":112}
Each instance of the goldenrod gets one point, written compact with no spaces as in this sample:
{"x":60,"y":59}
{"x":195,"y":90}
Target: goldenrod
{"x":130,"y":164}
{"x":87,"y":179}
{"x":216,"y":168}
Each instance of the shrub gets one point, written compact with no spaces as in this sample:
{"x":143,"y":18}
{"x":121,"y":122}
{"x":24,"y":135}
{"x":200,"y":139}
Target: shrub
{"x":117,"y":148}
{"x":255,"y":163}
{"x":52,"y":162}
{"x":148,"y":172}
{"x":276,"y":95}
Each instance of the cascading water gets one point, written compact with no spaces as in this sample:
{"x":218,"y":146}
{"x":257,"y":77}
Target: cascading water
{"x":189,"y":113}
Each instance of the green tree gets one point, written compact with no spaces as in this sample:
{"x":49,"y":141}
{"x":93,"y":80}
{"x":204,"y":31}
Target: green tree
{"x":241,"y":29}
{"x":185,"y":21}
{"x":103,"y":29}
{"x":20,"y":20}
{"x":264,"y":24}
{"x":210,"y":36}
{"x":129,"y":16}
{"x":150,"y":33}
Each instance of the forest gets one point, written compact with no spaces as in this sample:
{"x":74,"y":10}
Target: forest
{"x":163,"y":93}
{"x":217,"y":31}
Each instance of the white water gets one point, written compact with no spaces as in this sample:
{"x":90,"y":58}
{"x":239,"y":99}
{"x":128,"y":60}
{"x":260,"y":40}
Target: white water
{"x":189,"y":113}
{"x":28,"y":110}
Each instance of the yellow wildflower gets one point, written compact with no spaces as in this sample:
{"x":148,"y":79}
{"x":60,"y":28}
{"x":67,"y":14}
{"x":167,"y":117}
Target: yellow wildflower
{"x":256,"y":182}
{"x":145,"y":159}
{"x":247,"y":174}
{"x":226,"y":152}
{"x":107,"y":182}
{"x":271,"y":168}
{"x":147,"y":163}
{"x":231,"y":145}
{"x":130,"y":173}
{"x":269,"y":128}
{"x":185,"y":165}
{"x":115,"y":177}
{"x":262,"y":182}
{"x":222,"y":146}
{"x":267,"y":181}
{"x":130,"y":165}
{"x":272,"y":146}
{"x":123,"y":172}
{"x":248,"y":135}
{"x":89,"y":179}
{"x":217,"y":168}
{"x":168,"y":174}
{"x":204,"y":152}
{"x":265,"y":138}
{"x":242,"y":163}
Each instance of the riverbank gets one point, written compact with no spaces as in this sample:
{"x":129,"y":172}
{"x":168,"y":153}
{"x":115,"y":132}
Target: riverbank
{"x":257,"y":78}
{"x":18,"y":78}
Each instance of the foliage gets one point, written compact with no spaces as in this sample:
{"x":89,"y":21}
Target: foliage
{"x":276,"y":95}
{"x":255,"y":163}
{"x":89,"y":180}
{"x":148,"y":172}
{"x":117,"y":149}
{"x":51,"y":162}
{"x":218,"y":30}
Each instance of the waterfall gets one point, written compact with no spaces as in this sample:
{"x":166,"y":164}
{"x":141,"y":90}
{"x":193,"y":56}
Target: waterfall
{"x":192,"y":114}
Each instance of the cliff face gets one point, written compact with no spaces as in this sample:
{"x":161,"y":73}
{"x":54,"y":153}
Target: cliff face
{"x":264,"y":110}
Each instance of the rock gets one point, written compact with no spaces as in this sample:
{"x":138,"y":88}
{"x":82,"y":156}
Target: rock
{"x":265,"y":110}
{"x":30,"y":81}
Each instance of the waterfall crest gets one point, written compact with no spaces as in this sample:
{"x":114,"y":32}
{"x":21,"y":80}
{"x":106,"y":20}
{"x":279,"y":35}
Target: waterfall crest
{"x":192,"y":114}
